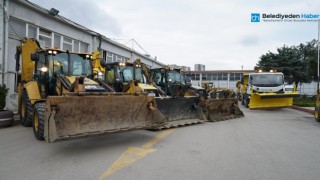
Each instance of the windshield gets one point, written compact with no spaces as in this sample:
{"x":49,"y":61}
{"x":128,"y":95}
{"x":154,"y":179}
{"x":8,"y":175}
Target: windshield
{"x":138,"y":74}
{"x":266,"y":80}
{"x":175,"y":76}
{"x":79,"y":65}
{"x":127,"y":73}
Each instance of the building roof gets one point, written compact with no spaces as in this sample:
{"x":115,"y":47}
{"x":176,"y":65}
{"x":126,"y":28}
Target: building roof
{"x":85,"y":29}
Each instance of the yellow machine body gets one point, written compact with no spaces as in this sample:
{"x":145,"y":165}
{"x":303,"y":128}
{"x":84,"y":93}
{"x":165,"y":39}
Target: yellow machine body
{"x":264,"y":97}
{"x":75,"y":106}
{"x":271,"y":100}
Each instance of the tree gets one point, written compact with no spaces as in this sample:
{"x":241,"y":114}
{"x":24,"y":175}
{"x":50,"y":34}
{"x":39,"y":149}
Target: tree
{"x":297,"y":63}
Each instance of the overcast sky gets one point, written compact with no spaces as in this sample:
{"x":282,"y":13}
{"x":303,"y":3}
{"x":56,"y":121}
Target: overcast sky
{"x":218,"y":34}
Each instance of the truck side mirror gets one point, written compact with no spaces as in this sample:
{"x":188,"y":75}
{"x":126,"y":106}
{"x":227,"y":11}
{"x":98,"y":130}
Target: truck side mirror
{"x":34,"y":57}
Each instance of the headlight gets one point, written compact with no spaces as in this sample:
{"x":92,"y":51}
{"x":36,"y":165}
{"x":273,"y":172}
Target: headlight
{"x":100,"y":73}
{"x":44,"y":69}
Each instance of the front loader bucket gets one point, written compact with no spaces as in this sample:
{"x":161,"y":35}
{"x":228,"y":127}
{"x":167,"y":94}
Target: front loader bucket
{"x":69,"y":117}
{"x":180,"y":111}
{"x":222,"y":109}
{"x":271,"y":100}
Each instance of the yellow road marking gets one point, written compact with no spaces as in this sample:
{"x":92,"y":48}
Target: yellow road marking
{"x":157,"y":138}
{"x":132,"y":154}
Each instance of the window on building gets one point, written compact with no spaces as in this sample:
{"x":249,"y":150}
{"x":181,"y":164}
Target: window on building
{"x":109,"y":57}
{"x":76,"y":46}
{"x":197,"y":77}
{"x":119,"y":58}
{"x":193,"y":77}
{"x":17,"y":29}
{"x":204,"y":77}
{"x":84,"y":47}
{"x":237,"y":76}
{"x":57,"y":41}
{"x":32,"y":31}
{"x":67,"y":44}
{"x":225,"y":76}
{"x":214,"y":77}
{"x":45,"y":38}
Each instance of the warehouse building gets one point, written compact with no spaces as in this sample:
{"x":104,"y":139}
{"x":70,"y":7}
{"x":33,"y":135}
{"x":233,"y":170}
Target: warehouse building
{"x":21,"y":18}
{"x":229,"y":78}
{"x":220,"y":78}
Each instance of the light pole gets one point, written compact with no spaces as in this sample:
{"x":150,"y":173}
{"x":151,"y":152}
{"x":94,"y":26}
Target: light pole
{"x":318,"y":55}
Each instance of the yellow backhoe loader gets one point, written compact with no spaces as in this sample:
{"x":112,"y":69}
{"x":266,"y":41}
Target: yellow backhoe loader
{"x":175,"y":102}
{"x":134,"y":78}
{"x":126,"y":77}
{"x":316,"y":111}
{"x":203,"y":104}
{"x":58,"y":97}
{"x":221,"y":103}
{"x":265,"y":90}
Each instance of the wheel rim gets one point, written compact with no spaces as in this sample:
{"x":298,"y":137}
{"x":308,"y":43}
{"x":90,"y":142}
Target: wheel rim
{"x":36,"y":121}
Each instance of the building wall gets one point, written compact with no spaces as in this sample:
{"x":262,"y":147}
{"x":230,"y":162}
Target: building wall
{"x":28,"y":20}
{"x":199,"y":67}
{"x":309,"y":89}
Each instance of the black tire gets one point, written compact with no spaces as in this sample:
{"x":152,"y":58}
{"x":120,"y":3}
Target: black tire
{"x":25,"y":109}
{"x":316,"y":113}
{"x":38,"y":120}
{"x":246,"y":102}
{"x":242,"y":102}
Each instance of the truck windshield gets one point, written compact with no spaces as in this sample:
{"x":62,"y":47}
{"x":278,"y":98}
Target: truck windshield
{"x":79,"y":65}
{"x":174,"y":77}
{"x":266,"y":80}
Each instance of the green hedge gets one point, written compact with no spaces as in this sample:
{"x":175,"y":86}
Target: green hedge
{"x":305,"y":101}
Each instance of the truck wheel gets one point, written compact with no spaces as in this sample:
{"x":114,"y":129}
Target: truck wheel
{"x":38,"y":120}
{"x":316,"y":113}
{"x":246,"y":102}
{"x":25,"y":110}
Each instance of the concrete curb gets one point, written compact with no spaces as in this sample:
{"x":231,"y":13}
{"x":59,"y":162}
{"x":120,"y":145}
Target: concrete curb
{"x":303,"y":109}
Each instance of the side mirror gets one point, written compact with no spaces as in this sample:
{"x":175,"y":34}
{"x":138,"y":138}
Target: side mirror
{"x":34,"y":57}
{"x":103,"y":63}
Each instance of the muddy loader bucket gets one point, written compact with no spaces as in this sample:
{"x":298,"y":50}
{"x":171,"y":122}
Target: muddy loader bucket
{"x":72,"y":117}
{"x":222,"y":105}
{"x":179,"y":111}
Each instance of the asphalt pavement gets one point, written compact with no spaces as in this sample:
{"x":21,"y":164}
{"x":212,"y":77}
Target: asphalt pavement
{"x":265,"y":144}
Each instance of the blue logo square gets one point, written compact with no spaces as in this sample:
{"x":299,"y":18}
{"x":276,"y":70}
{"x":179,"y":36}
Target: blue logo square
{"x":255,"y":17}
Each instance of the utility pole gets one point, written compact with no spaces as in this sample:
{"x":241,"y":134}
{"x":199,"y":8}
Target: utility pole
{"x":318,"y":55}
